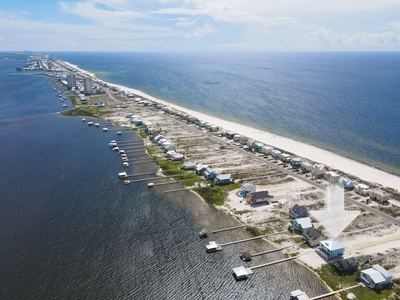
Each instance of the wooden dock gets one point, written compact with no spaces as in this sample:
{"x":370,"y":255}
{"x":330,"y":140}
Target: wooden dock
{"x":227,"y":229}
{"x":273,"y":250}
{"x":176,"y":190}
{"x":334,"y":292}
{"x":251,"y":239}
{"x":141,"y":174}
{"x":273,"y":263}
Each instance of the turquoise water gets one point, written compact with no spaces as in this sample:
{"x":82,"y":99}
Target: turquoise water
{"x":346,"y":102}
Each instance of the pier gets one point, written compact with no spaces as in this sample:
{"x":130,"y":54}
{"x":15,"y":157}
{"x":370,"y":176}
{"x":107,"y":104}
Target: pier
{"x":246,"y":256}
{"x":251,"y":239}
{"x":204,"y":233}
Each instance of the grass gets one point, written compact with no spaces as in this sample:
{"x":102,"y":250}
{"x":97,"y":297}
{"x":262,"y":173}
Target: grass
{"x":213,"y":195}
{"x":336,"y":281}
{"x":89,"y":111}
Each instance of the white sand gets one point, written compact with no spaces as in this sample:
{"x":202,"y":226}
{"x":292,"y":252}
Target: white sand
{"x":334,"y":161}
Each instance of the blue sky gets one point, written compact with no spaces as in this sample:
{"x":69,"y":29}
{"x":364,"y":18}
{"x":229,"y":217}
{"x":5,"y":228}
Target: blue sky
{"x":200,"y":25}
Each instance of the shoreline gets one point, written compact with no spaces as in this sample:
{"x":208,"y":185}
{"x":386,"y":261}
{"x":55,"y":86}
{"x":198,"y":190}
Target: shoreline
{"x":364,"y":172}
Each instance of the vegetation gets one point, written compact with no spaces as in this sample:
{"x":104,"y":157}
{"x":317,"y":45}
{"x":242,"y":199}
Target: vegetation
{"x":89,"y":111}
{"x":336,"y":280}
{"x":213,"y":195}
{"x":253,"y":231}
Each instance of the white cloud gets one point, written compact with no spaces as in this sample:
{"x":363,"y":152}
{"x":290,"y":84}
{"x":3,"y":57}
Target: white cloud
{"x":206,"y":29}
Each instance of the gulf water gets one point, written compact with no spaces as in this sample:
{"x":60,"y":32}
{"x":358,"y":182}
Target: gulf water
{"x":346,"y":102}
{"x":70,"y":229}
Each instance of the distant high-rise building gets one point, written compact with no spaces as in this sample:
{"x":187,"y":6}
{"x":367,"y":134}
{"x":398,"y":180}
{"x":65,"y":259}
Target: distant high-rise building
{"x":71,"y":79}
{"x":87,"y":86}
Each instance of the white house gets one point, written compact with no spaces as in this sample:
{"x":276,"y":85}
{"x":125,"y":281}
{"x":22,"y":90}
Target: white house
{"x":306,"y":167}
{"x":302,"y":224}
{"x":247,"y":188}
{"x":376,"y":275}
{"x":318,"y":170}
{"x":275,"y":154}
{"x":362,"y":189}
{"x":332,"y":177}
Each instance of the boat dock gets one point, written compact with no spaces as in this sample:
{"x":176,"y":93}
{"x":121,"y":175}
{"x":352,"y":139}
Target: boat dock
{"x":251,"y":239}
{"x":246,"y":256}
{"x":204,"y":232}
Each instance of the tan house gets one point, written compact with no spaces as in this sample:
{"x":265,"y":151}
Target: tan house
{"x":332,"y":177}
{"x":318,"y":170}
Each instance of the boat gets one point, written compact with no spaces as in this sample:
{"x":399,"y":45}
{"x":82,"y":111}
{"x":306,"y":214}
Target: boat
{"x":90,"y":123}
{"x":119,"y":133}
{"x":105,"y":129}
{"x":65,"y":105}
{"x":213,"y":247}
{"x":127,"y":181}
{"x":111,"y":145}
{"x":203,"y":233}
{"x":122,"y":175}
{"x":83,"y":120}
{"x":150,"y":184}
{"x":97,"y":125}
{"x":125,"y":164}
{"x":115,"y":148}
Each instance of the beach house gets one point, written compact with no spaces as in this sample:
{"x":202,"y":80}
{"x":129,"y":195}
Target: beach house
{"x":348,"y":265}
{"x":209,"y":174}
{"x":295,"y":162}
{"x":302,"y":225}
{"x":362,"y":189}
{"x":258,"y":197}
{"x":297,"y":212}
{"x":332,"y":177}
{"x":379,"y":196}
{"x":200,"y":168}
{"x":247,"y":188}
{"x":306,"y":167}
{"x":376,"y":276}
{"x":221,"y":179}
{"x":346,"y":183}
{"x":275,"y":154}
{"x":313,"y":237}
{"x":330,"y":250}
{"x":284,"y":157}
{"x":188,"y":166}
{"x":318,"y":170}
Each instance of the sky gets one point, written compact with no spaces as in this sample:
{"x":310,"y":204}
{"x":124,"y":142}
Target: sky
{"x":200,"y":25}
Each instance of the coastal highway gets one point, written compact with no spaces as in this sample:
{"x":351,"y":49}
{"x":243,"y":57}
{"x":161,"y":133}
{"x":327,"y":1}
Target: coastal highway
{"x":359,"y":204}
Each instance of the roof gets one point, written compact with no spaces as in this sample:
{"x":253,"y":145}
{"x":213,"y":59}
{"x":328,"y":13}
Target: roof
{"x":304,"y":222}
{"x":349,"y":263}
{"x":383,"y":271}
{"x":375,"y":275}
{"x":258,"y":195}
{"x":319,"y":166}
{"x":247,"y":184}
{"x":298,"y":210}
{"x":332,"y":244}
{"x":312,"y":234}
{"x":241,"y":271}
{"x":223,"y":176}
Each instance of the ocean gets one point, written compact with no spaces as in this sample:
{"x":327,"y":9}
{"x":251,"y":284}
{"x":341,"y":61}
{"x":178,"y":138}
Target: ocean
{"x":345,"y":102}
{"x":70,"y":229}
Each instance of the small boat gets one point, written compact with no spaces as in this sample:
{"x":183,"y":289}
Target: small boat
{"x":90,"y":123}
{"x":119,"y":133}
{"x":115,"y":148}
{"x":150,"y":184}
{"x":127,"y":181}
{"x":97,"y":125}
{"x":122,"y":175}
{"x":111,"y":145}
{"x":203,"y":233}
{"x":65,"y":105}
{"x":125,"y":164}
{"x":105,"y":129}
{"x":83,"y":120}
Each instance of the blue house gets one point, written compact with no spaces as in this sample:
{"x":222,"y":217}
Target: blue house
{"x":209,"y":174}
{"x":223,"y":179}
{"x":331,"y":250}
{"x":347,"y":183}
{"x":302,"y":225}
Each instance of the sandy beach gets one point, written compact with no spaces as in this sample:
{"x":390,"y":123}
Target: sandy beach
{"x":312,"y":153}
